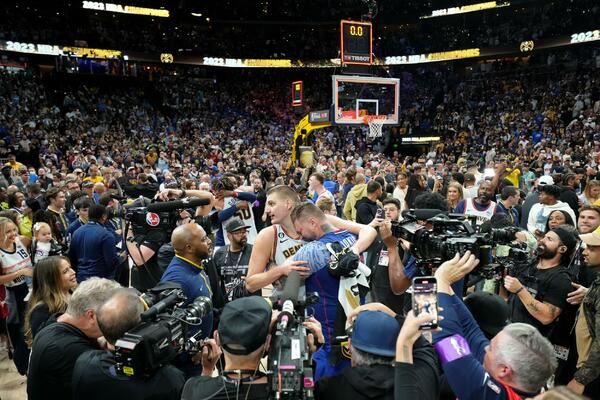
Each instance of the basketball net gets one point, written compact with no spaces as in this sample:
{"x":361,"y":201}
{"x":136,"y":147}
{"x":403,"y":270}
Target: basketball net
{"x":375,"y":123}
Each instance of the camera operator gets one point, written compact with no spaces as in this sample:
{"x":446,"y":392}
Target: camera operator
{"x":57,"y":346}
{"x":538,"y":293}
{"x":192,"y":245}
{"x":244,"y":335}
{"x":143,"y":248}
{"x":95,"y":376}
{"x":516,"y":363}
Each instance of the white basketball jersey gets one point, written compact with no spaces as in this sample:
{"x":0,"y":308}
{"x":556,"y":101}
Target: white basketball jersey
{"x":12,"y":262}
{"x":285,"y":246}
{"x":247,"y":216}
{"x":482,"y":215}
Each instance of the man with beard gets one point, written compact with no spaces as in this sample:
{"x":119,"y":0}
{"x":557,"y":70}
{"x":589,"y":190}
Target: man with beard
{"x":192,"y":246}
{"x":482,"y":206}
{"x":538,"y":292}
{"x":231,"y":261}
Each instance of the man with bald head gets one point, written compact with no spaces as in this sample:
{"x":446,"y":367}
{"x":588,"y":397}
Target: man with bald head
{"x":192,"y":246}
{"x":95,"y":377}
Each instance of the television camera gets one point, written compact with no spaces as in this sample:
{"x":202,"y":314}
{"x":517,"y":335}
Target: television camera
{"x":290,"y":372}
{"x":456,"y":233}
{"x":166,"y":330}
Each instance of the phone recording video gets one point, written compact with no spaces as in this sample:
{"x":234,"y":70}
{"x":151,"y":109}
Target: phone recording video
{"x":380,"y":213}
{"x":424,"y":299}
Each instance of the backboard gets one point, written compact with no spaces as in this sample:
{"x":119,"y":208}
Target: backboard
{"x":355,"y":97}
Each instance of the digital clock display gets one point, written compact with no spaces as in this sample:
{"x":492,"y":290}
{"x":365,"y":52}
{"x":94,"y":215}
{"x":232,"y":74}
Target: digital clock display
{"x":356,"y":43}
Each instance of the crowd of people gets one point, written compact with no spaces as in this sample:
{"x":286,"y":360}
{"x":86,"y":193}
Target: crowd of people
{"x":399,"y":31}
{"x":518,"y":152}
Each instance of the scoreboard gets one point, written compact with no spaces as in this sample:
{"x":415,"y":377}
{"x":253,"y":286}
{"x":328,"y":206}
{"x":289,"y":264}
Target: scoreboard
{"x":356,"y":43}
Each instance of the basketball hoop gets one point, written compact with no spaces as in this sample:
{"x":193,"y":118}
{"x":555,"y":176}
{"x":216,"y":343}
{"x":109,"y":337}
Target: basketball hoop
{"x":375,"y":123}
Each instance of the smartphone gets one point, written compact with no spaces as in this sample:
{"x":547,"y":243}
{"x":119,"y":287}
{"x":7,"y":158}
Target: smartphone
{"x":380,"y":213}
{"x":424,"y":299}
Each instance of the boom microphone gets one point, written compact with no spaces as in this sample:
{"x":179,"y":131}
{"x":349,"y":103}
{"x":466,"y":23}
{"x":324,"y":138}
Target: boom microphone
{"x":177,"y":205}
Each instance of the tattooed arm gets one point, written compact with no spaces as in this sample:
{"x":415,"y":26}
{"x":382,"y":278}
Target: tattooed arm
{"x":544,"y":312}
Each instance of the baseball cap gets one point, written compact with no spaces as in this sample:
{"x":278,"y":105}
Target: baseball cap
{"x":592,"y":238}
{"x":545,"y":180}
{"x":566,"y":237}
{"x":235,"y":225}
{"x":244,"y":325}
{"x":87,"y":184}
{"x":489,"y":310}
{"x":375,"y":332}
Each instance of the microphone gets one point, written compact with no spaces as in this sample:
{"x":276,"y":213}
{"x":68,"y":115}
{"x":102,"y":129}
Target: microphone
{"x":289,"y":296}
{"x":177,"y":205}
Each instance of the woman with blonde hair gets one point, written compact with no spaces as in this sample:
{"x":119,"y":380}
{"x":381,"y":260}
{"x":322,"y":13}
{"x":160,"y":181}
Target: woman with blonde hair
{"x":15,"y":264}
{"x":591,"y":193}
{"x":53,"y":282}
{"x":454,"y":194}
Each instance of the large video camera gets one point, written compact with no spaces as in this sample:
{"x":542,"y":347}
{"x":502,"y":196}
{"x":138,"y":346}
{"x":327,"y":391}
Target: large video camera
{"x":290,"y":372}
{"x":456,"y":233}
{"x":166,"y":330}
{"x":144,"y":216}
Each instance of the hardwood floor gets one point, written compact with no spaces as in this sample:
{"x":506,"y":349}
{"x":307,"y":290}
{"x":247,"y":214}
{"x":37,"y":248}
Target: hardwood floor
{"x":12,"y":385}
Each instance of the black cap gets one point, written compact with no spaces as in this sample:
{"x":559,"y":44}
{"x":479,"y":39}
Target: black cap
{"x":235,"y":225}
{"x":566,"y":237}
{"x":489,"y":310}
{"x":244,"y":325}
{"x":33,"y":204}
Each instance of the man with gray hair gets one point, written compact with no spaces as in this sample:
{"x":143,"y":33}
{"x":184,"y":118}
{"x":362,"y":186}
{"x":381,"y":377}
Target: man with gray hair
{"x":94,"y":375}
{"x":57,"y":347}
{"x":516,"y":363}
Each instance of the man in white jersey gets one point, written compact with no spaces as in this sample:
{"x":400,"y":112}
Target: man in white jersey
{"x":482,"y":206}
{"x":276,"y":244}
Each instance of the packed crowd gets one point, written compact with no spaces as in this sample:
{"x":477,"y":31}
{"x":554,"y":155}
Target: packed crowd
{"x":518,"y":153}
{"x":310,"y":40}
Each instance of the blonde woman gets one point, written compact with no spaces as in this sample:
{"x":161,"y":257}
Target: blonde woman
{"x":591,"y":193}
{"x":454,"y":194}
{"x":16,"y":266}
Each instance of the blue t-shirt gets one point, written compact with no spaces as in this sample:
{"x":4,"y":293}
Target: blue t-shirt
{"x":194,"y":283}
{"x":321,"y":281}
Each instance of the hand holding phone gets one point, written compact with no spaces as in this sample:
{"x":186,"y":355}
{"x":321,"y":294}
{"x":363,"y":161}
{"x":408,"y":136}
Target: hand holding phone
{"x":424,"y":300}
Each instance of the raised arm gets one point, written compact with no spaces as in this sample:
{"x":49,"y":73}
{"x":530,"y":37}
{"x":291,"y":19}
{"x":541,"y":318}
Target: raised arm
{"x":366,"y":234}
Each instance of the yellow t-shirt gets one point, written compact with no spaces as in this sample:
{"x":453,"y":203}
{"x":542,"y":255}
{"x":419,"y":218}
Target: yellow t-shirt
{"x":95,"y":180}
{"x":15,"y":166}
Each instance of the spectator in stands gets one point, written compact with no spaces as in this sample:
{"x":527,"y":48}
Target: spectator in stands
{"x":557,"y":218}
{"x":327,"y":206}
{"x":417,"y":185}
{"x":366,"y":208}
{"x":315,"y":185}
{"x":567,"y":192}
{"x":93,"y":251}
{"x":591,"y":193}
{"x":533,"y":198}
{"x":57,"y":347}
{"x":548,"y":202}
{"x":454,"y":195}
{"x":482,"y":206}
{"x":53,"y":282}
{"x":358,"y":191}
{"x":55,"y":213}
{"x":16,"y":266}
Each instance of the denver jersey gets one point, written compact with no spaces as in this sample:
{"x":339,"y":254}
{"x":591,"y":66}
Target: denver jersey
{"x":284,"y":247}
{"x":15,"y":261}
{"x":246,"y":215}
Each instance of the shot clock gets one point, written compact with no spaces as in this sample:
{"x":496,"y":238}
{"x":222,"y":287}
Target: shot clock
{"x":356,"y":42}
